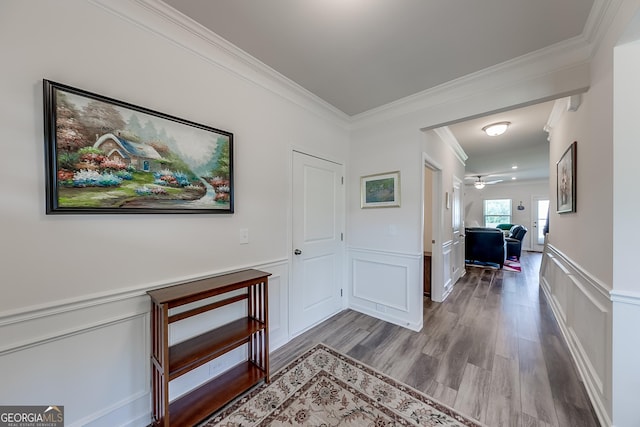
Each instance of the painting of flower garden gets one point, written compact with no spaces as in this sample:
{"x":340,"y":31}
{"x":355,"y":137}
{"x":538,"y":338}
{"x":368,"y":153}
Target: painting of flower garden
{"x":107,"y":156}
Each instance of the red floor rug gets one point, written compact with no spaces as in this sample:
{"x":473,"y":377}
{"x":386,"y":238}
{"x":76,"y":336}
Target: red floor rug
{"x":512,"y":265}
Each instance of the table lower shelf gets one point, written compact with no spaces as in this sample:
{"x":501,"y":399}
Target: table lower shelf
{"x":213,"y":395}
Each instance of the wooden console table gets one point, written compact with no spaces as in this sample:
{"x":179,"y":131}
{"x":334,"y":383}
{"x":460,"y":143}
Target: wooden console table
{"x":170,"y":362}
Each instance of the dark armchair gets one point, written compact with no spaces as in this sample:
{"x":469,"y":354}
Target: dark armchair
{"x":514,"y":241}
{"x":484,"y":245}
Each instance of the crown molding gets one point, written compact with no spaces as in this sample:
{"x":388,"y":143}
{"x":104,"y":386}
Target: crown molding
{"x":560,"y":106}
{"x":568,"y":54}
{"x":154,"y":15}
{"x":600,"y":18}
{"x":451,"y":141}
{"x":163,"y":21}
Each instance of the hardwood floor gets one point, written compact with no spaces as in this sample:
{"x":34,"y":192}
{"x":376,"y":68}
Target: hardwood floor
{"x":492,"y":350}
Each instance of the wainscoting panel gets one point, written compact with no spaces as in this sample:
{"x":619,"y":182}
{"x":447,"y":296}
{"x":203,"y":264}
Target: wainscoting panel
{"x":367,"y":273}
{"x":583,"y":309}
{"x":93,"y":373}
{"x":457,"y":261}
{"x":447,"y":252}
{"x":562,"y":284}
{"x":93,"y":355}
{"x":386,"y":285}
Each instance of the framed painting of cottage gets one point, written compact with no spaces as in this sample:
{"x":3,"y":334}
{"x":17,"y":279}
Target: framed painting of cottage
{"x":108,"y":156}
{"x":380,"y":190}
{"x":566,"y":180}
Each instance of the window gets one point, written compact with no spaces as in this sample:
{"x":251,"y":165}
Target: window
{"x":497,"y":211}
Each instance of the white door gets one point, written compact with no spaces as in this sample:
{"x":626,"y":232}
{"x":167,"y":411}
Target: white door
{"x":318,"y":218}
{"x":538,"y":222}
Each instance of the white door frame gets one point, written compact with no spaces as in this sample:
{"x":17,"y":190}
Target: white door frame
{"x":437,"y":263}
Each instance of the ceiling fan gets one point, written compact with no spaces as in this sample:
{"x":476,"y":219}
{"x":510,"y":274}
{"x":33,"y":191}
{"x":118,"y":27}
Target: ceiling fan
{"x":480,"y":183}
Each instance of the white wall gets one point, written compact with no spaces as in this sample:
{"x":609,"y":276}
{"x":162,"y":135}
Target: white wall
{"x":575,"y":276}
{"x":588,"y":270}
{"x":626,"y":288}
{"x":521,"y":191}
{"x":383,"y":272}
{"x":73,"y":312}
{"x":594,"y":182}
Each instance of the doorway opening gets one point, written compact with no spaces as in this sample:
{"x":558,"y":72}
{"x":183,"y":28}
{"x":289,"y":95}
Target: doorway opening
{"x":433,"y":268}
{"x":427,"y":236}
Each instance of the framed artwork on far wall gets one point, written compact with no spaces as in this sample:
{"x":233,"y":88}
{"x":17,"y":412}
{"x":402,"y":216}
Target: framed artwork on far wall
{"x":380,"y":190}
{"x":566,"y":180}
{"x":105,"y":156}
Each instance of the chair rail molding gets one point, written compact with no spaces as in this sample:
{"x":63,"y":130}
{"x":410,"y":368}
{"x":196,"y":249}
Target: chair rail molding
{"x":64,"y":342}
{"x":625,"y":297}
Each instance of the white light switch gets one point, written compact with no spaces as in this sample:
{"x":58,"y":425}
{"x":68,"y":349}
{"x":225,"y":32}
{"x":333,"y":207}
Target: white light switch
{"x":244,"y":236}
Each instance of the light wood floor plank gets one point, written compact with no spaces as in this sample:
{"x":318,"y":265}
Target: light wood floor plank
{"x":454,"y":360}
{"x":536,"y":397}
{"x":442,"y":393}
{"x":484,"y":337}
{"x":473,"y":394}
{"x":504,"y":406}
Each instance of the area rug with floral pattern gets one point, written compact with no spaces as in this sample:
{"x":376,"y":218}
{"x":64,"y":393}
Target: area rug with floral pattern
{"x":326,"y":388}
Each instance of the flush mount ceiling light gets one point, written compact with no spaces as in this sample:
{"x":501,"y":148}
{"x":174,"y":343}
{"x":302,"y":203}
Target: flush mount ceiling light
{"x":496,"y":129}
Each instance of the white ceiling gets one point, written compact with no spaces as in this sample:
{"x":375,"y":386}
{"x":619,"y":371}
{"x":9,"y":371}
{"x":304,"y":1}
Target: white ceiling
{"x":524,"y":145}
{"x":361,"y":54}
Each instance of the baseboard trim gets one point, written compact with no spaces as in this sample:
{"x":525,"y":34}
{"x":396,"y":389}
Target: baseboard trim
{"x":417,"y":327}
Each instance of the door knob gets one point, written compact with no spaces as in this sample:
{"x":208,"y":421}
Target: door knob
{"x":297,"y":252}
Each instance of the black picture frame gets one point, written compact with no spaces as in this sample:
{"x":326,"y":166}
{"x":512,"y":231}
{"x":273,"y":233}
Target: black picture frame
{"x":566,"y":180}
{"x":105,"y":156}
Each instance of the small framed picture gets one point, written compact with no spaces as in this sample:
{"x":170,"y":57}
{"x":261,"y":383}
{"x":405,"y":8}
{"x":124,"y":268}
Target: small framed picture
{"x":566,"y":180}
{"x":380,"y":190}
